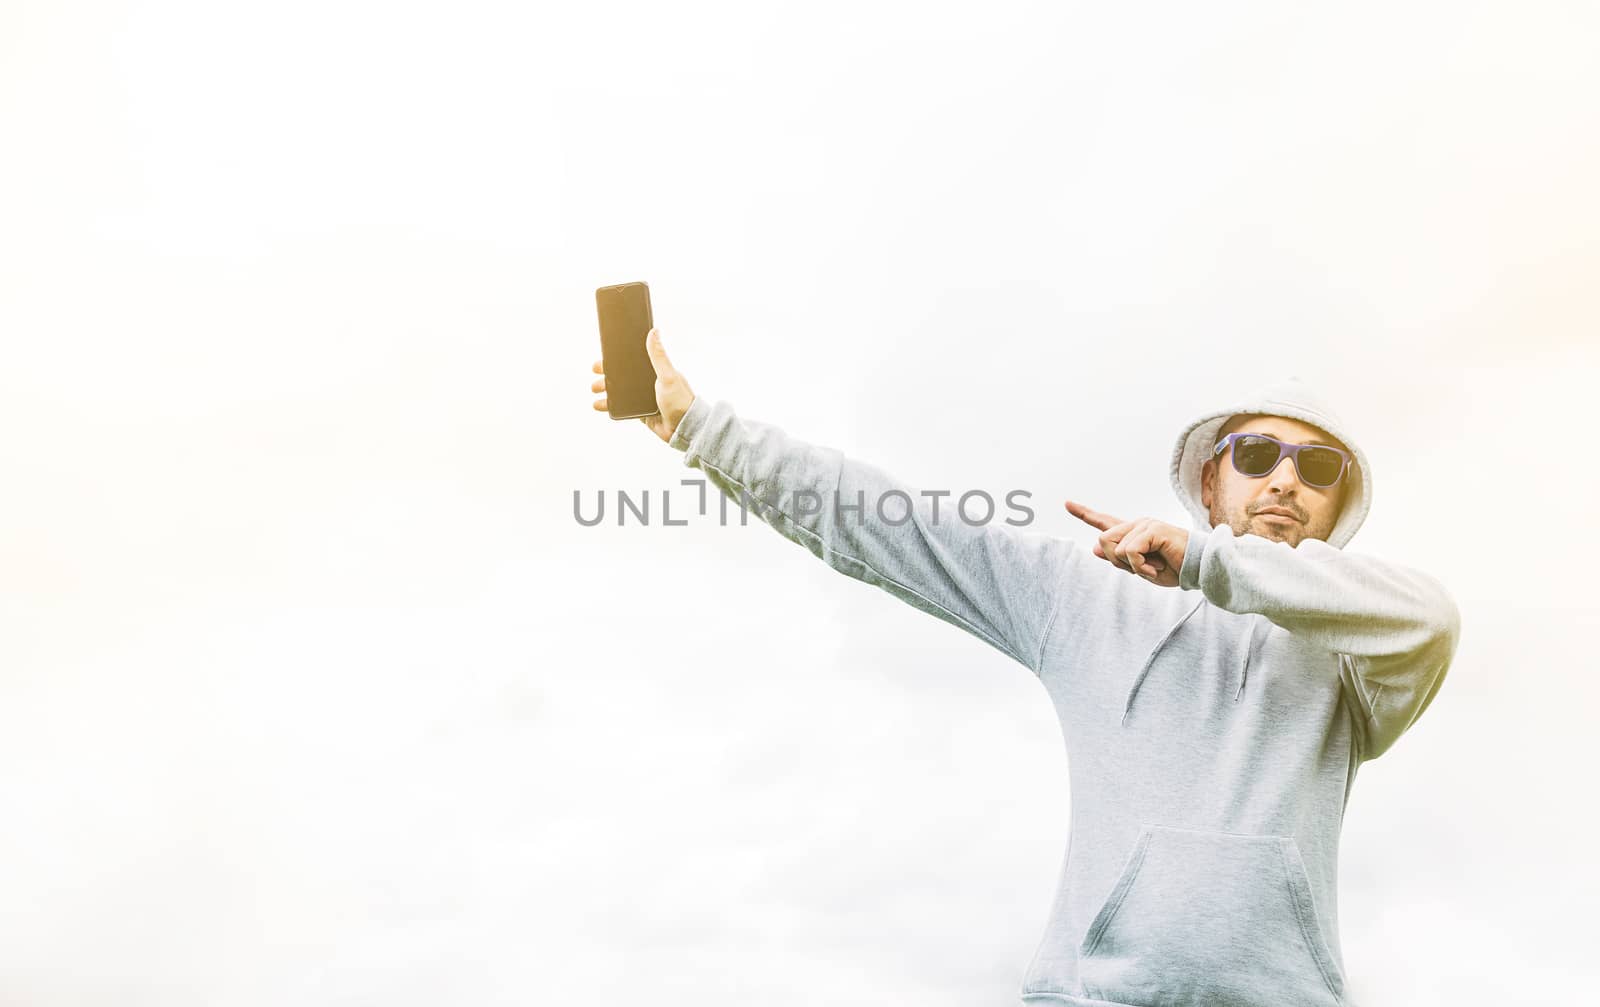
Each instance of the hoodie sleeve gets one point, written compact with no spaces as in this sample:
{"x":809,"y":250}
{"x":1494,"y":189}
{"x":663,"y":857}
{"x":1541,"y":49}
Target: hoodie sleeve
{"x":992,"y":580}
{"x":1394,"y":628}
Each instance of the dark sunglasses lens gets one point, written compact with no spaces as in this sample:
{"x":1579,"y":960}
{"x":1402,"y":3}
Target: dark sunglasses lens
{"x":1320,"y":467}
{"x":1254,"y":456}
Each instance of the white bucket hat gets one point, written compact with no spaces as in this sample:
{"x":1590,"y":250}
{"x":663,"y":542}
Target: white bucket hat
{"x":1290,"y":399}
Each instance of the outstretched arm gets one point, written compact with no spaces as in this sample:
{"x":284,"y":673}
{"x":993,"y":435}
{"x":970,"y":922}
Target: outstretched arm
{"x":992,"y":580}
{"x":1001,"y":584}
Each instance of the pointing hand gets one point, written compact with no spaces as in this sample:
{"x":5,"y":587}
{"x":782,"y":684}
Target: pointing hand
{"x":1146,"y":548}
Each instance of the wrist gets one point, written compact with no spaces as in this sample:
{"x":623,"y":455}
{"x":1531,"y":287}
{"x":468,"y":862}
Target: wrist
{"x":688,"y":422}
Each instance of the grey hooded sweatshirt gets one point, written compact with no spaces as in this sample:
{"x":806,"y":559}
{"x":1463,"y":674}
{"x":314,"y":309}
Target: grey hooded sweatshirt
{"x":1213,"y":731}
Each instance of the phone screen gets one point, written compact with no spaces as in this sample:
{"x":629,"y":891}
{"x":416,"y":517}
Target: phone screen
{"x":630,"y":377}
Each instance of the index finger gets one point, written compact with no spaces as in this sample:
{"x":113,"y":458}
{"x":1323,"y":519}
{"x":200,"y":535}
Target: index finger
{"x":1104,"y":522}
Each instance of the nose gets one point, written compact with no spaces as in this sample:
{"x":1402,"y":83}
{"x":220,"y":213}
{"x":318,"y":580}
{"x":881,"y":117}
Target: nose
{"x":1284,"y":477}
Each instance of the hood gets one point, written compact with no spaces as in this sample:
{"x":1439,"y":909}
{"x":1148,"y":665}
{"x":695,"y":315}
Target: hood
{"x":1290,"y":399}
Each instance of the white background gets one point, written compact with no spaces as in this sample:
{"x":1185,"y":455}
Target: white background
{"x":313,"y":691}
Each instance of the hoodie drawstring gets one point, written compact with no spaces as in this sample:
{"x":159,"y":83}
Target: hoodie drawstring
{"x":1134,"y":690}
{"x":1247,"y":647}
{"x":1244,"y":669}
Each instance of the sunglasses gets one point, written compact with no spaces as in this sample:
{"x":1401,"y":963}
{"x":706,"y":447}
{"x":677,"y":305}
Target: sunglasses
{"x":1255,"y":455}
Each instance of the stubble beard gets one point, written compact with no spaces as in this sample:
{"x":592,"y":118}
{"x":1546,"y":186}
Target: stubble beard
{"x":1243,"y":523}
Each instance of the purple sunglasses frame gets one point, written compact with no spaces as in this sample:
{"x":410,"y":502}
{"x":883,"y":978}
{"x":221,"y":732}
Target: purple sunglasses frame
{"x":1292,"y":450}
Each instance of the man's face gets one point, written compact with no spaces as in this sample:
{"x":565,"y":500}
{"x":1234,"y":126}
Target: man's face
{"x":1237,"y":500}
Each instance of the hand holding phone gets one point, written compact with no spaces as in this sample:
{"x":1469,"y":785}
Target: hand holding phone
{"x":637,"y":378}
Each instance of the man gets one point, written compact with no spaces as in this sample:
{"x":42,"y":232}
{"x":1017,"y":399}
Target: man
{"x":1213,"y":732}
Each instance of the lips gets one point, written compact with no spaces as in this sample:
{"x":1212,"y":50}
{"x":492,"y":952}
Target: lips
{"x":1279,"y":511}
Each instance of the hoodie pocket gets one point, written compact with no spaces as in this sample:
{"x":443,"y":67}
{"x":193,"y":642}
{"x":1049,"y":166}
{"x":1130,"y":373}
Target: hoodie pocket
{"x":1209,"y":917}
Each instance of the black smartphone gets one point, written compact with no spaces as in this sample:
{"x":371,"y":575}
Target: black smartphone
{"x":630,"y":377}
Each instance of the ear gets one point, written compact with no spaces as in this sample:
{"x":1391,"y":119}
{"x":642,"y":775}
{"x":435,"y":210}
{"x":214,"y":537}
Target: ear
{"x":1208,"y":473}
